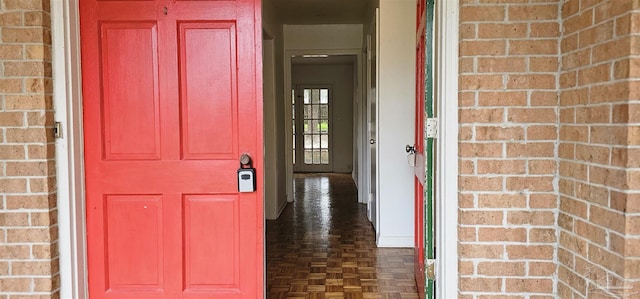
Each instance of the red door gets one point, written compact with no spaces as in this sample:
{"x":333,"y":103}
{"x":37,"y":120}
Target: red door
{"x":172,"y":99}
{"x":419,"y":169}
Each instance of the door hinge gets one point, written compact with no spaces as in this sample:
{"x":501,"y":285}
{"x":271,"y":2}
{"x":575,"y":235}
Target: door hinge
{"x":430,"y":269}
{"x":57,"y":130}
{"x":432,"y":128}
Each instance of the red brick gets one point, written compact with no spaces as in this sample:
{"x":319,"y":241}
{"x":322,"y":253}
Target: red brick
{"x":544,"y":64}
{"x":503,"y":201}
{"x":531,"y":285}
{"x":481,"y":217}
{"x":501,"y":65}
{"x":538,"y":218}
{"x":498,"y":30}
{"x":480,"y":284}
{"x":532,"y":115}
{"x":597,"y":34}
{"x":499,"y":234}
{"x":474,"y":183}
{"x":548,"y":29}
{"x":533,"y":47}
{"x":501,"y":268}
{"x":542,"y":132}
{"x":488,"y":133}
{"x":501,"y":166}
{"x":607,"y":218}
{"x":573,"y":207}
{"x":482,"y":13}
{"x":532,"y":81}
{"x":533,"y":252}
{"x":594,"y":74}
{"x":487,"y":150}
{"x":481,"y":82}
{"x":544,"y":98}
{"x":481,"y":251}
{"x":542,"y":235}
{"x":484,"y":115}
{"x":482,"y":47}
{"x":530,"y":149}
{"x":577,"y":22}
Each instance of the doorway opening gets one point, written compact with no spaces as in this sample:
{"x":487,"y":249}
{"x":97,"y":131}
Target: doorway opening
{"x":69,"y":152}
{"x":314,"y":126}
{"x":322,"y":114}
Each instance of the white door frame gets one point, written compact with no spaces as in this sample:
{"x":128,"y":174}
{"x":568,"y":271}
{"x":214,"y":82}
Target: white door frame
{"x":67,"y":94}
{"x":69,"y":149}
{"x":446,"y":95}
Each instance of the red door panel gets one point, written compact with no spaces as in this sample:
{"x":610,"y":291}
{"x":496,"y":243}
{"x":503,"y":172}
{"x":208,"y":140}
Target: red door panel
{"x":207,"y":77}
{"x":129,"y":50}
{"x":171,"y":100}
{"x":134,"y":230}
{"x":209,"y":244}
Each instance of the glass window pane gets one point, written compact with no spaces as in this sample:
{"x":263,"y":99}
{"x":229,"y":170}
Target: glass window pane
{"x":308,"y":141}
{"x":308,"y":157}
{"x":314,"y":126}
{"x":315,"y":96}
{"x":293,"y":96}
{"x":316,"y":157}
{"x":315,"y":111}
{"x":324,"y":156}
{"x":323,"y":126}
{"x":294,"y":157}
{"x":324,"y":111}
{"x":316,"y":141}
{"x":324,"y":141}
{"x":307,"y":129}
{"x":324,"y":96}
{"x":307,"y":111}
{"x":307,"y":96}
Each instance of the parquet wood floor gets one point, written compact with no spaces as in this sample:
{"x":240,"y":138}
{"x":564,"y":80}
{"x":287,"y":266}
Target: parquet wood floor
{"x":323,"y":246}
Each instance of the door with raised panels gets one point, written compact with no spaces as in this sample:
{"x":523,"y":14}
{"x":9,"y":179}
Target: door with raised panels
{"x":171,"y":100}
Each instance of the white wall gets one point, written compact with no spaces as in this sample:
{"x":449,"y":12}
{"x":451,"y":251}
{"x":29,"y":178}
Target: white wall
{"x":323,"y":37}
{"x":340,"y":76}
{"x":275,"y":197}
{"x":396,"y":122}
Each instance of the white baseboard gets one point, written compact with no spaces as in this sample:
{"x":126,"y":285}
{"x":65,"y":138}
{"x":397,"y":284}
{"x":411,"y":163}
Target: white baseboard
{"x":395,"y":241}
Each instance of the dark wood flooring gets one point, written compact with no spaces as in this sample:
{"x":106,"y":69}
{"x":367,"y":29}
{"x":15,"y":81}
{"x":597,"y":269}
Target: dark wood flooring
{"x":323,"y":246}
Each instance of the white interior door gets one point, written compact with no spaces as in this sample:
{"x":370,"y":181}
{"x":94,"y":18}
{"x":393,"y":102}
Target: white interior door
{"x":372,"y":116}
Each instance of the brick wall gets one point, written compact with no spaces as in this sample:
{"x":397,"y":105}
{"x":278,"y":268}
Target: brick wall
{"x":28,"y":231}
{"x":508,"y":132}
{"x":599,"y":150}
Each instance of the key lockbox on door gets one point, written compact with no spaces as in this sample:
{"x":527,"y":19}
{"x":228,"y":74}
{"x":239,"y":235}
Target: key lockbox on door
{"x":246,"y":175}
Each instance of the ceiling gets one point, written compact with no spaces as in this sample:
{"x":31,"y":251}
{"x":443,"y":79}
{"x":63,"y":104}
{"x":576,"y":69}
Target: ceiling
{"x":307,"y":12}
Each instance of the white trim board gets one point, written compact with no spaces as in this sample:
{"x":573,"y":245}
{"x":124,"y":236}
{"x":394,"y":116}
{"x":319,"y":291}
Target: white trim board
{"x":446,"y":95}
{"x":69,"y":162}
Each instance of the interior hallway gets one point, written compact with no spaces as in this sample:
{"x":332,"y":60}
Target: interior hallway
{"x":323,"y":246}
